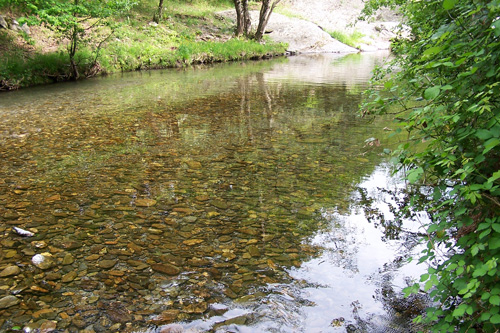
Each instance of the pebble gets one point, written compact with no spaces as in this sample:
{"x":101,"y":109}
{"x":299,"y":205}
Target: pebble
{"x":43,"y":261}
{"x":10,"y":271}
{"x":166,"y":317}
{"x":145,"y":202}
{"x":69,"y":277}
{"x":8,"y":301}
{"x":68,"y":259}
{"x":166,"y":269}
{"x":107,"y":263}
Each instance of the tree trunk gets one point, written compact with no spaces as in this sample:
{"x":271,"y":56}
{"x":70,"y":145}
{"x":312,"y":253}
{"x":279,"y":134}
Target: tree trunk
{"x":158,"y":16}
{"x":72,"y":53}
{"x":239,"y":17}
{"x":247,"y":21}
{"x":243,"y":21}
{"x":73,"y":46}
{"x":265,"y":13}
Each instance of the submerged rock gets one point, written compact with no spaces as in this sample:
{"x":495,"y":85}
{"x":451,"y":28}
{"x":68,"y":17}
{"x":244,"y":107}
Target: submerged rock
{"x":8,"y":301}
{"x":10,"y":271}
{"x":166,"y":317}
{"x":145,"y":202}
{"x":166,"y":269}
{"x":22,"y":232}
{"x":43,"y":261}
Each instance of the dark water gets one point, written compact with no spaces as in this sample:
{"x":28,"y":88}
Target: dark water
{"x":218,"y":199}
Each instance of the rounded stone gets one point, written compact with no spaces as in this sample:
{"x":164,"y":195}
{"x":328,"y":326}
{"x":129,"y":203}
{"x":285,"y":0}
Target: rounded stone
{"x":10,"y":271}
{"x":8,"y":301}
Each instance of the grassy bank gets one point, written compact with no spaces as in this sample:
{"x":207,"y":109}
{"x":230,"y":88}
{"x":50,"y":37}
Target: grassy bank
{"x":190,"y":33}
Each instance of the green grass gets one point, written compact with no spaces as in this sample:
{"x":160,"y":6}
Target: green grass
{"x":352,"y":39}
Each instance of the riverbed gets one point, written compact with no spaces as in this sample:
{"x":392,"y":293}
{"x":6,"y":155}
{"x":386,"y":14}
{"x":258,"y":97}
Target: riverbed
{"x":225,"y":198}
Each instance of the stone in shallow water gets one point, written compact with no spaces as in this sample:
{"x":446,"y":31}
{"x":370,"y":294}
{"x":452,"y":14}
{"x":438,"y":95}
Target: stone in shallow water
{"x":190,"y":219}
{"x":218,"y":308}
{"x":8,"y":301}
{"x":107,"y":263}
{"x":254,"y":251}
{"x":48,"y":326}
{"x":118,"y":314}
{"x":166,"y":317}
{"x":43,"y":261}
{"x":196,"y":307}
{"x":145,"y":202}
{"x":202,"y":198}
{"x":69,"y":277}
{"x":219,"y":204}
{"x":10,"y":271}
{"x":191,"y":242}
{"x":68,"y":259}
{"x":193,"y":164}
{"x":166,"y":269}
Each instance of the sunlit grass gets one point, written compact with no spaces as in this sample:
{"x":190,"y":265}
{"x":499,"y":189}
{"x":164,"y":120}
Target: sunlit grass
{"x":352,"y":39}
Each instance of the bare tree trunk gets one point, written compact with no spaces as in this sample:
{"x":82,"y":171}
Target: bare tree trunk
{"x":247,"y":21}
{"x":243,"y":21}
{"x":239,"y":17}
{"x":158,"y":16}
{"x":265,"y":13}
{"x":73,"y":46}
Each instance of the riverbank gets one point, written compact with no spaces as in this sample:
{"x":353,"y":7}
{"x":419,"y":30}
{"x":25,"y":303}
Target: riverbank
{"x":194,"y":32}
{"x":190,"y":33}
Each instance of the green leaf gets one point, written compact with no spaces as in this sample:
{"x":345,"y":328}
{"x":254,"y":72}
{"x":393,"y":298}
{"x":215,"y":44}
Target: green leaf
{"x":490,"y":144}
{"x":495,"y":300}
{"x":414,"y":175}
{"x":494,"y":243}
{"x":494,"y":177}
{"x":433,"y":50}
{"x":485,"y":316}
{"x":495,"y":319}
{"x":484,"y":233}
{"x":459,"y":312}
{"x":432,"y":92}
{"x":484,"y":134}
{"x":449,"y":4}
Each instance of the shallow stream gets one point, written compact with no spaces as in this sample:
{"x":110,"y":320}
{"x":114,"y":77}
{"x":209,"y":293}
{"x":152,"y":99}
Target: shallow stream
{"x":223,"y":198}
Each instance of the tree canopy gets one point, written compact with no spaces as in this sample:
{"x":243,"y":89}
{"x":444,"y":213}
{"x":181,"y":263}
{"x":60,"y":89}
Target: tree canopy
{"x":444,"y":87}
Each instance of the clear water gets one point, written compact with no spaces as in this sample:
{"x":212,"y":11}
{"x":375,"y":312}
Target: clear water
{"x":218,"y":198}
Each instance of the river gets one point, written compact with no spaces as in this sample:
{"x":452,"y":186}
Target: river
{"x":225,"y":198}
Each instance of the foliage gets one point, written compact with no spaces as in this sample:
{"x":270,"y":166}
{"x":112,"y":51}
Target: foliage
{"x":72,"y":19}
{"x":445,"y":88}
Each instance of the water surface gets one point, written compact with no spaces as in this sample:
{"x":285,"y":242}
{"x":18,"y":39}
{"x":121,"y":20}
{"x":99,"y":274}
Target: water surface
{"x":217,"y":198}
